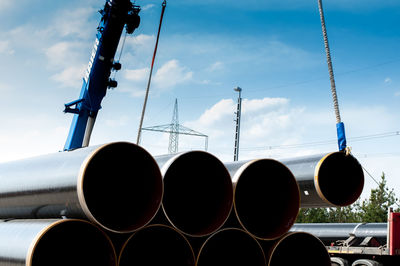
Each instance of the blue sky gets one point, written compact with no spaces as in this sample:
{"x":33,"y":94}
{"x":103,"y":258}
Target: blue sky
{"x":272,"y":49}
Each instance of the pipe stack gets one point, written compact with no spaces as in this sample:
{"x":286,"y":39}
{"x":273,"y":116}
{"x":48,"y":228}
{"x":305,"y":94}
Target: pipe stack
{"x":115,"y":204}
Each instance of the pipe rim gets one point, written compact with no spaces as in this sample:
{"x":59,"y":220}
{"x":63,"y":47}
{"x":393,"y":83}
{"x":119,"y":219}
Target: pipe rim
{"x":236,"y":180}
{"x":81,"y":193}
{"x":164,"y":170}
{"x":36,"y":240}
{"x":317,"y":180}
{"x":288,"y":235}
{"x":224,"y":230}
{"x":152,"y":226}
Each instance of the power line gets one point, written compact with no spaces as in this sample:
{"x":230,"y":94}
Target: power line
{"x":325,"y":142}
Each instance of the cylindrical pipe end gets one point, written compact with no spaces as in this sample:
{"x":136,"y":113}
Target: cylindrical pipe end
{"x":71,"y":242}
{"x":157,"y":245}
{"x":339,"y":179}
{"x":297,"y":248}
{"x":120,"y":187}
{"x":266,"y":198}
{"x":231,"y":246}
{"x":198,"y":193}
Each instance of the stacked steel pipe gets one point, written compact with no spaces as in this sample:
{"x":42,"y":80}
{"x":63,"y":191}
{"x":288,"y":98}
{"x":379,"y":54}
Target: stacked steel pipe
{"x":115,"y":204}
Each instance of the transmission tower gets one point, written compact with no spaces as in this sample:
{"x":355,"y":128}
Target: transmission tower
{"x":175,"y":129}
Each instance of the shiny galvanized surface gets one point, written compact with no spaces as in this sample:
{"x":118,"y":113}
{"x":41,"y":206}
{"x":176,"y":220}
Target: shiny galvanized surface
{"x":330,"y":232}
{"x":121,"y":189}
{"x":198,"y":192}
{"x":24,"y":242}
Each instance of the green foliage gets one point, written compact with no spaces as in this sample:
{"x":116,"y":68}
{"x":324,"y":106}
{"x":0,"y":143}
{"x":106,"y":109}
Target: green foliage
{"x":376,"y":207}
{"x":369,"y":210}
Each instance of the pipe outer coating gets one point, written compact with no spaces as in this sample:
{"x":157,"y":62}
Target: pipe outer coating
{"x":116,"y":185}
{"x":42,"y":242}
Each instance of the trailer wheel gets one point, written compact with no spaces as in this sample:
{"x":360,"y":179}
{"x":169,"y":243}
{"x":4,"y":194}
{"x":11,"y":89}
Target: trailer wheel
{"x":336,"y":261}
{"x":364,"y":262}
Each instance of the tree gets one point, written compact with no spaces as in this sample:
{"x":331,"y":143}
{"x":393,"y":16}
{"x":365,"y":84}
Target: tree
{"x":313,"y":215}
{"x":375,"y":209}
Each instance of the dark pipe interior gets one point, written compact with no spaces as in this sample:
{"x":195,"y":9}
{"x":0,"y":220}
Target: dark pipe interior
{"x":266,"y":199}
{"x":74,"y":243}
{"x":198,"y":193}
{"x":299,"y":249}
{"x":123,"y":187}
{"x":157,"y":245}
{"x":231,"y":247}
{"x":341,"y":179}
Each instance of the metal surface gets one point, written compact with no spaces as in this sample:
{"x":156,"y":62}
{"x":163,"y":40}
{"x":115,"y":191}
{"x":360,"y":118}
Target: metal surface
{"x":54,"y":242}
{"x":198,"y":193}
{"x":116,"y":185}
{"x":233,"y":247}
{"x":157,"y":245}
{"x":335,"y":179}
{"x":266,"y":197}
{"x":237,"y":120}
{"x":331,"y":232}
{"x":296,"y":248}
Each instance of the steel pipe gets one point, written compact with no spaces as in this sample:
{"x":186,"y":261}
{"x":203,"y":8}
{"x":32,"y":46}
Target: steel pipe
{"x":231,"y":246}
{"x":331,"y":232}
{"x":296,"y":248}
{"x":117,"y":186}
{"x":157,"y":245}
{"x":198,"y":193}
{"x":266,"y":197}
{"x":335,"y":179}
{"x":54,"y":242}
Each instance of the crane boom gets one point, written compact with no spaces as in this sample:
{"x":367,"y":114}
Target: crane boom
{"x":116,"y":15}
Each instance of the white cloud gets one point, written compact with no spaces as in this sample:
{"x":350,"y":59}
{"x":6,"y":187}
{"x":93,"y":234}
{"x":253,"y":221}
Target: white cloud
{"x":388,"y":80}
{"x":70,"y":77}
{"x":166,"y":77}
{"x":4,"y":4}
{"x":216,"y":66}
{"x":118,"y":122}
{"x":140,"y":40}
{"x":73,"y":23}
{"x":4,"y":88}
{"x":5,"y":48}
{"x":171,"y":74}
{"x":147,"y":7}
{"x":137,"y":75}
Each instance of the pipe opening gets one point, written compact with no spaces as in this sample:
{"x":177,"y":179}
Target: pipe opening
{"x":299,"y":248}
{"x":233,"y":247}
{"x":339,"y":179}
{"x":198,"y":193}
{"x":122,"y":187}
{"x":157,"y":245}
{"x":73,"y":243}
{"x":266,"y":198}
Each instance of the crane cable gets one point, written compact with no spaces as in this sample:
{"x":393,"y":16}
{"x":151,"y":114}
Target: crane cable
{"x":339,"y":124}
{"x":164,"y":4}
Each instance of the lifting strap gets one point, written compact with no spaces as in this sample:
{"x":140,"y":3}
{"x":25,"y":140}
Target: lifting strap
{"x":339,"y":124}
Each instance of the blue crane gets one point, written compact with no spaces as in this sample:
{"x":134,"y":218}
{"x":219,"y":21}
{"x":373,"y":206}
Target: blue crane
{"x":116,"y":15}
